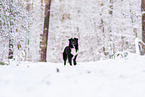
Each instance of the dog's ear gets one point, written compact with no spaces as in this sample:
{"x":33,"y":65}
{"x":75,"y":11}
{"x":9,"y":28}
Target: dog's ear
{"x":75,"y":38}
{"x":70,"y":40}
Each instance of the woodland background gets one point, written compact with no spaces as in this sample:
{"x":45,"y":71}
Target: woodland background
{"x":38,"y":30}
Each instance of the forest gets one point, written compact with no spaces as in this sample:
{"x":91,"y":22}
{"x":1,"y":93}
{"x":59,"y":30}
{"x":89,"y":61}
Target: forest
{"x":38,"y":30}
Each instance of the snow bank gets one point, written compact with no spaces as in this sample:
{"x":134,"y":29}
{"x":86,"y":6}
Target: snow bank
{"x":105,"y":78}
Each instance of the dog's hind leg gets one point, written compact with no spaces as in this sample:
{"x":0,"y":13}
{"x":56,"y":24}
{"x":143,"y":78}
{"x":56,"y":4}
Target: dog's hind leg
{"x":64,"y":58}
{"x":74,"y":60}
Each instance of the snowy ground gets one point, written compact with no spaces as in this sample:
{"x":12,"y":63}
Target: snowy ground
{"x":108,"y":78}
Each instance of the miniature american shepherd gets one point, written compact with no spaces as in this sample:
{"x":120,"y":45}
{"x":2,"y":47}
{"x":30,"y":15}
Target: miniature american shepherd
{"x":71,"y":51}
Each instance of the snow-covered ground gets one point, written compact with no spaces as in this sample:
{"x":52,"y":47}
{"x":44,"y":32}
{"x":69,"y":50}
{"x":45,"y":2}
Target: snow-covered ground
{"x":105,"y":78}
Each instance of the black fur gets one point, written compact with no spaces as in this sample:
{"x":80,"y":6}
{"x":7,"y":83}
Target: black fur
{"x":73,"y":44}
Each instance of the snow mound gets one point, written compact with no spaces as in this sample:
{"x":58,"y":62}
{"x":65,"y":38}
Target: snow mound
{"x":105,"y":78}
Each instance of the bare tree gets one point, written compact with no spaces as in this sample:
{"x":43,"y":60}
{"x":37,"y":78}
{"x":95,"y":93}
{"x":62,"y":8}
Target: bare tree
{"x":143,"y":21}
{"x":111,"y":7}
{"x":45,"y":31}
{"x":143,"y":26}
{"x":10,"y":56}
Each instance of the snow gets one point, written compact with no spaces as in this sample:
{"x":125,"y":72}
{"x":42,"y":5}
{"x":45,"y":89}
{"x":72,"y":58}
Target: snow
{"x":104,"y":78}
{"x":137,"y":46}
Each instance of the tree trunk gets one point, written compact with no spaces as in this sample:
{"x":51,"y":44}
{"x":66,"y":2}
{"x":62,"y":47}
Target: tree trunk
{"x":11,"y":50}
{"x":111,"y":7}
{"x":10,"y":56}
{"x":143,"y":21}
{"x":143,"y":25}
{"x":143,"y":28}
{"x":45,"y":31}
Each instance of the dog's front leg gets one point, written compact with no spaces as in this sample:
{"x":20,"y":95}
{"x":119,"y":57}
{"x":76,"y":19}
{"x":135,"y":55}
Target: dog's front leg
{"x":74,"y":60}
{"x":64,"y":58}
{"x":70,"y":59}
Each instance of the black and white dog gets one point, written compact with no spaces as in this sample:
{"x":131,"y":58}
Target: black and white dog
{"x":70,"y":52}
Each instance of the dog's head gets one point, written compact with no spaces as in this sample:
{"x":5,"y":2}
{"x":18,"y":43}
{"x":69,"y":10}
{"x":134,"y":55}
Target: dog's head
{"x":73,"y":42}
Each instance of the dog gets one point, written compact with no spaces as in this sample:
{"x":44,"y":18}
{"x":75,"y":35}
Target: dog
{"x":70,"y":52}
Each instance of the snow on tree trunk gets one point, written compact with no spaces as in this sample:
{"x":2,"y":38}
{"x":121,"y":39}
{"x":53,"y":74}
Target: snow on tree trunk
{"x":10,"y":56}
{"x":137,"y":46}
{"x":10,"y":27}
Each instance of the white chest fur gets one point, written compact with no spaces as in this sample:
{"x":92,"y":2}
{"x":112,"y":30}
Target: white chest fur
{"x":73,"y":51}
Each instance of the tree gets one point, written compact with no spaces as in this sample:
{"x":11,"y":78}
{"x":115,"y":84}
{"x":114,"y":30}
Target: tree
{"x":10,"y":56}
{"x":45,"y":31}
{"x":143,"y":21}
{"x":143,"y":26}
